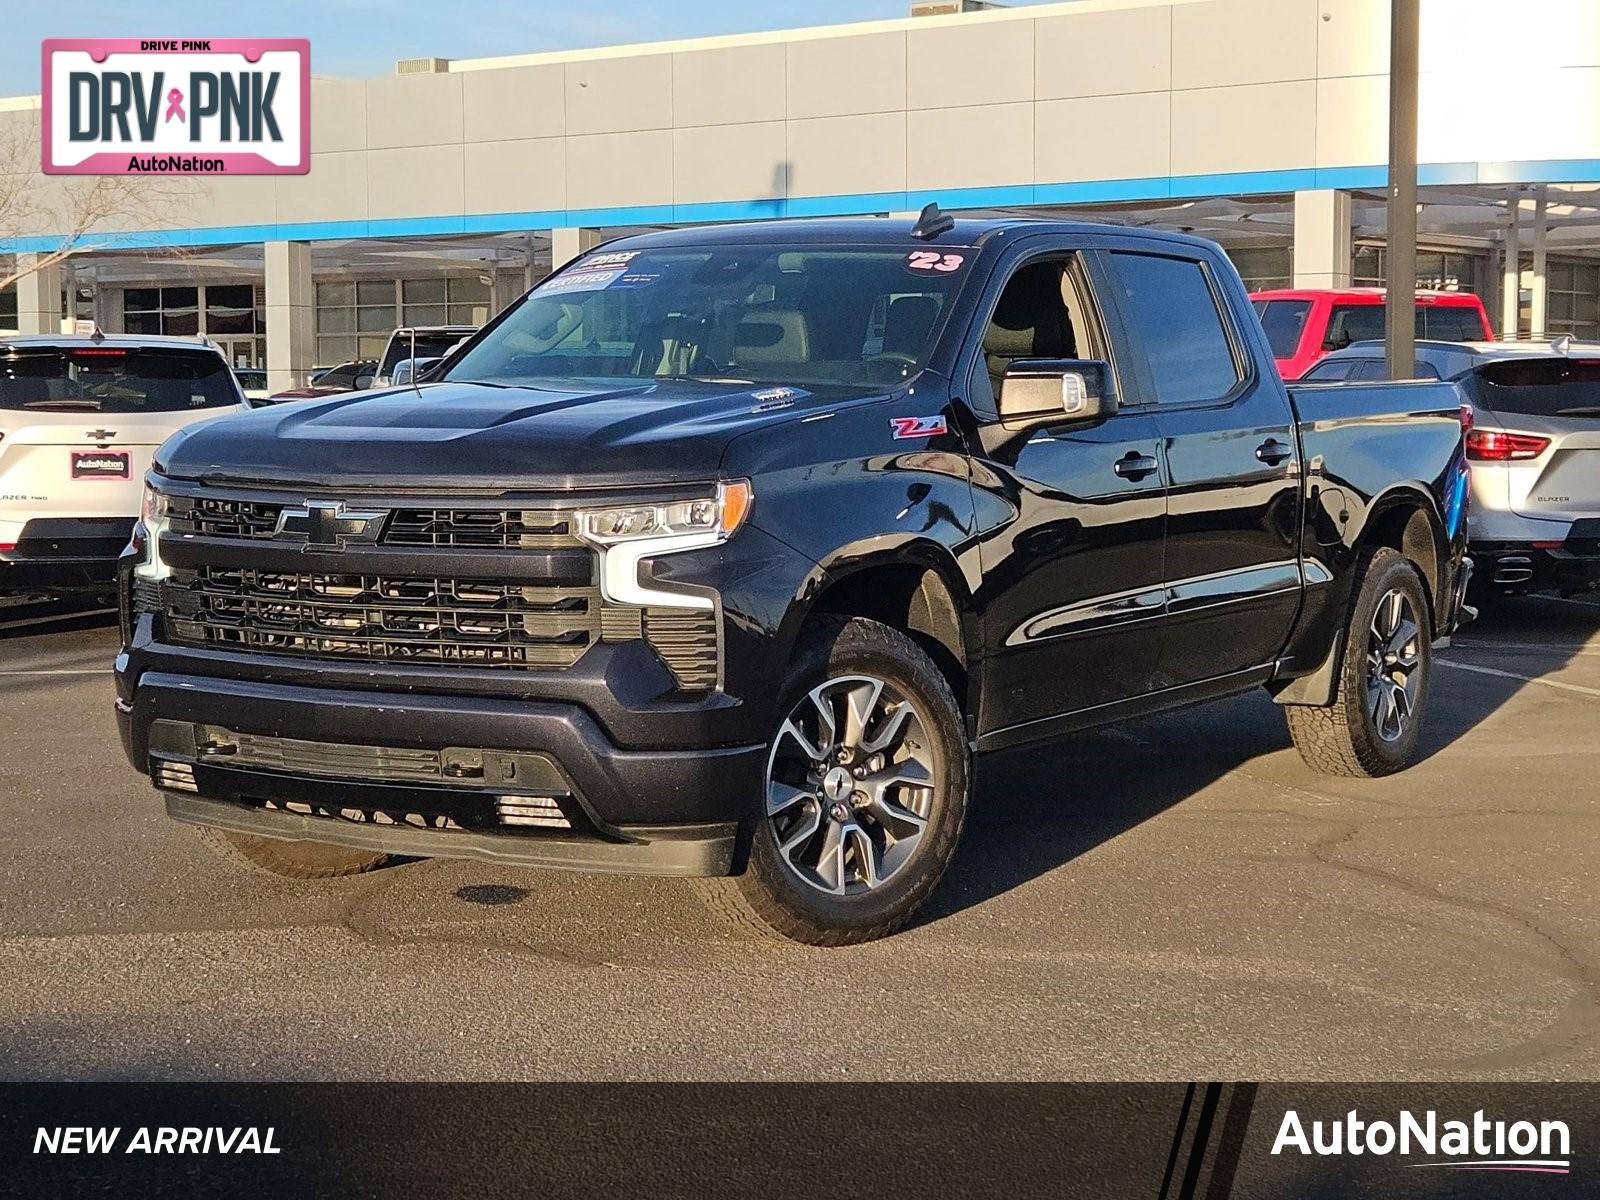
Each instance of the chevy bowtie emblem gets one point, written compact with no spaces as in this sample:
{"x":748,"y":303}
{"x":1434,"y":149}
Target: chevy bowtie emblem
{"x":101,"y":435}
{"x":327,"y":525}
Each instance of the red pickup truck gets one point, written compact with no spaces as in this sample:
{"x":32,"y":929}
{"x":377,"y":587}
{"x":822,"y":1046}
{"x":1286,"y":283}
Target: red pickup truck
{"x":1303,"y":324}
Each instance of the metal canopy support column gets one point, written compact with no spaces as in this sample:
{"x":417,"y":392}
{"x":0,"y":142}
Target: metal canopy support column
{"x":1511,"y":272}
{"x":1401,"y":304}
{"x":1539,"y":318}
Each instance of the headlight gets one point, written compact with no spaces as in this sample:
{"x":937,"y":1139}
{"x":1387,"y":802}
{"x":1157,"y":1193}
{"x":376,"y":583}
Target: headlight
{"x":152,"y":524}
{"x":720,"y":514}
{"x":627,"y":536}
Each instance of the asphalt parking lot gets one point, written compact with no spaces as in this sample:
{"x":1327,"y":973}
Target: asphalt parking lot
{"x":1175,"y":898}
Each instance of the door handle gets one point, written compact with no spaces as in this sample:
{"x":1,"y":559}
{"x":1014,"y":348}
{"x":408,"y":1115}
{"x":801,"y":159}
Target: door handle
{"x":1272,"y":452}
{"x":1135,"y":466}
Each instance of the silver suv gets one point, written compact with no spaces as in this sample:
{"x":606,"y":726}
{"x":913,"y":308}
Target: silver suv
{"x":1534,"y":447}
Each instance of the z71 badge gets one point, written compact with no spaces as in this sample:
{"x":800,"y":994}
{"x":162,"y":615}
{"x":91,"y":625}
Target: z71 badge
{"x":916,"y":427}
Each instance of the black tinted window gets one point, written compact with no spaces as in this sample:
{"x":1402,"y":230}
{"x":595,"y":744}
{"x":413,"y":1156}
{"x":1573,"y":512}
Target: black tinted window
{"x":1451,"y":324}
{"x":1283,"y":320}
{"x":1330,"y":370}
{"x":1173,"y":314}
{"x":1543,"y":387}
{"x":114,"y":380}
{"x":1353,"y":323}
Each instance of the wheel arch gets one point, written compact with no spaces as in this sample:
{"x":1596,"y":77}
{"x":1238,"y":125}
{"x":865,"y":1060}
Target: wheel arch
{"x":915,"y":587}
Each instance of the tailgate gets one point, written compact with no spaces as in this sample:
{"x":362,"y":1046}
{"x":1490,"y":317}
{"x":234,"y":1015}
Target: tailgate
{"x":77,"y":468}
{"x":1556,"y":399}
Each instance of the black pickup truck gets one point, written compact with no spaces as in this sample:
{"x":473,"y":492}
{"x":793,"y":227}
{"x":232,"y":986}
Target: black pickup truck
{"x":722,"y":551}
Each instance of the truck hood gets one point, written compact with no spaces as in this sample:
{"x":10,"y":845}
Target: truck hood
{"x":488,"y":436}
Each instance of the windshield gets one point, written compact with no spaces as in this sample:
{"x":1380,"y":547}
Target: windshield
{"x":862,"y":317}
{"x":1541,"y":387}
{"x":114,"y":380}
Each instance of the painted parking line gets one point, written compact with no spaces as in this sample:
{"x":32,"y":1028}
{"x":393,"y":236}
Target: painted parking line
{"x":1555,"y":683}
{"x":1532,"y":647}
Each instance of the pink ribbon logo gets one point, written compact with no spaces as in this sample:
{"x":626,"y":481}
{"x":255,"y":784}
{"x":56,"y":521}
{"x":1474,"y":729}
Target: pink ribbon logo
{"x":175,"y":105}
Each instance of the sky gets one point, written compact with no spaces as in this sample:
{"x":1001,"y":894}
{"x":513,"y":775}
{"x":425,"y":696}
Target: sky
{"x":367,"y":37}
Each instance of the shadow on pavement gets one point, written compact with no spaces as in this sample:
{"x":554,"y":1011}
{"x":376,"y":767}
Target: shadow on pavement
{"x":1038,"y":808}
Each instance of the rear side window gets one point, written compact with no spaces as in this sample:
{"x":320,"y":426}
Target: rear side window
{"x":1541,"y":387}
{"x":114,"y":380}
{"x":1353,"y":323}
{"x":1283,"y":320}
{"x":1172,"y":311}
{"x":1330,"y":370}
{"x":1450,"y":323}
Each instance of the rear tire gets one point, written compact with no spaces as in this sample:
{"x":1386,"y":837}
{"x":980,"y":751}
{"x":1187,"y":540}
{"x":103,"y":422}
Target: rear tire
{"x":866,"y":791}
{"x":1372,"y":726}
{"x":290,"y":860}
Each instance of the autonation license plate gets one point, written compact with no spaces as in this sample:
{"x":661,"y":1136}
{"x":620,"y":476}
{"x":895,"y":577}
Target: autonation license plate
{"x":157,"y":106}
{"x":99,"y":464}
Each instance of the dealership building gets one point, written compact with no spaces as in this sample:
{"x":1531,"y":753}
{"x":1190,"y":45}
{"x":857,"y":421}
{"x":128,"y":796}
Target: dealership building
{"x":440,"y":191}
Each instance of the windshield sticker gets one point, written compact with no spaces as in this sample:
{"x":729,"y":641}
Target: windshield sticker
{"x":932,"y":260}
{"x":582,"y":280}
{"x":917,"y":427}
{"x":609,"y":258}
{"x":637,"y":279}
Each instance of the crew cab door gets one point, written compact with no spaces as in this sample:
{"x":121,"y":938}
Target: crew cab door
{"x":1075,"y":513}
{"x":1228,"y":441}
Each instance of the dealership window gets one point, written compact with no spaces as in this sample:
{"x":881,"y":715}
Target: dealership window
{"x":354,"y":319}
{"x":1574,"y":298}
{"x":8,"y":309}
{"x":1262,"y":267}
{"x":455,"y":300}
{"x":1437,"y":270}
{"x":172,"y":311}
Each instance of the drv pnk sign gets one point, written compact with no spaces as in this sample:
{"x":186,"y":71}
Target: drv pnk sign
{"x":212,"y":106}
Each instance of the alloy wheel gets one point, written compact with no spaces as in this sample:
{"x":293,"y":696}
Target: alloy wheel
{"x":851,"y":782}
{"x":1394,"y":656}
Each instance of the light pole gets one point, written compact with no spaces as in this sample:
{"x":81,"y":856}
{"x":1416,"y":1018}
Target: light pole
{"x":1400,"y":348}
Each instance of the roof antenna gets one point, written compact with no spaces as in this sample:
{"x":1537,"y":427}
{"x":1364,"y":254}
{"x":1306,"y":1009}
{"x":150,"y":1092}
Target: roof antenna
{"x":932,"y":222}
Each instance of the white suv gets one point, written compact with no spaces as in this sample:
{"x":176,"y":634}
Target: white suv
{"x":80,"y":418}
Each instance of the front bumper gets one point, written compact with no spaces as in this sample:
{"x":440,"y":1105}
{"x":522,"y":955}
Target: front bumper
{"x":676,"y":812}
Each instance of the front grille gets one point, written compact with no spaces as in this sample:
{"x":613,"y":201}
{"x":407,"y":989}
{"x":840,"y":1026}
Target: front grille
{"x":385,"y":618}
{"x":208,"y":516}
{"x":365,"y":615}
{"x":478,"y":528}
{"x":509,"y":529}
{"x":686,"y":640}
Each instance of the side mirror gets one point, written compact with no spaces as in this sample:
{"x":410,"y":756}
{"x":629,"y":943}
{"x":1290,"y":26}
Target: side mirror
{"x":1055,"y":391}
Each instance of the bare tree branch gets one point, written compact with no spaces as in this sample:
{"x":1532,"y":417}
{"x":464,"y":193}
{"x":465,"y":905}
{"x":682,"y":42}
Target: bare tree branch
{"x":76,"y":213}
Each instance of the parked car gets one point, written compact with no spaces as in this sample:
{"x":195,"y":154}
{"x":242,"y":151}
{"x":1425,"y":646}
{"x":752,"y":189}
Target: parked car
{"x":353,"y":376}
{"x":1534,"y":447}
{"x":723,"y":551}
{"x":1303,"y":324}
{"x":79,"y":419}
{"x":253,"y":383}
{"x":418,"y":341}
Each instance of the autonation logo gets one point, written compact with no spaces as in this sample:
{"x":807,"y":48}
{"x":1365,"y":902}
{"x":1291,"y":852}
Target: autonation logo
{"x":1480,"y":1144}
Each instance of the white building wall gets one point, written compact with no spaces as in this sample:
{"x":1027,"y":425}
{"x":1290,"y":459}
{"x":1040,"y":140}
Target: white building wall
{"x":1078,"y":102}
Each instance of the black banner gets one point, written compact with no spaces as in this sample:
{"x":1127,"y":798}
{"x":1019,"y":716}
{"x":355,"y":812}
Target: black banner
{"x":1161,"y":1141}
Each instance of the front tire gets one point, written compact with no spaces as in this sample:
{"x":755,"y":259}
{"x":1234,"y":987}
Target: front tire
{"x":290,"y":860}
{"x":1372,"y":726}
{"x":866,"y":793}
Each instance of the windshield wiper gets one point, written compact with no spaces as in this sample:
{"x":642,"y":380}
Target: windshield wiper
{"x":1586,"y":410}
{"x":66,"y":405}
